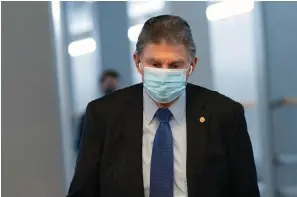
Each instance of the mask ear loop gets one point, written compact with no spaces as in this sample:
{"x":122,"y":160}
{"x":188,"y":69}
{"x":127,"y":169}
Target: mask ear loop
{"x":140,"y":66}
{"x":191,"y":69}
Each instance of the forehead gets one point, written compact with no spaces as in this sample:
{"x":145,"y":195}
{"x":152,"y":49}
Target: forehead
{"x":165,"y":52}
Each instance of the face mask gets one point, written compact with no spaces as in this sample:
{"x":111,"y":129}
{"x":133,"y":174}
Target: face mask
{"x":164,"y":85}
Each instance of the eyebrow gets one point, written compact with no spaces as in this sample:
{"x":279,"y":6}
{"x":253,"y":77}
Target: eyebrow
{"x":178,"y":61}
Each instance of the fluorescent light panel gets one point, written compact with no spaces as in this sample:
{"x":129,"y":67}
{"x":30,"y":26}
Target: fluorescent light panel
{"x":141,"y":8}
{"x":228,"y":9}
{"x":82,"y":47}
{"x":134,"y":31}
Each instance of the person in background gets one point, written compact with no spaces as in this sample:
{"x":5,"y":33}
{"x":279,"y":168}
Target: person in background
{"x":165,"y":137}
{"x":108,"y":83}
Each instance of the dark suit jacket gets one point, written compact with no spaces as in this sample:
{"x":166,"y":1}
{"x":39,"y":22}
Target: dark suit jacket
{"x":220,"y":159}
{"x":79,"y":131}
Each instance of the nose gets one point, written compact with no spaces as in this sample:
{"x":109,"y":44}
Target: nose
{"x":165,"y":66}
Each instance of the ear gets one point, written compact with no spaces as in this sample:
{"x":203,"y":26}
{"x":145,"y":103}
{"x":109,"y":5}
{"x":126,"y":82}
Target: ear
{"x":136,"y":59}
{"x":193,"y":65}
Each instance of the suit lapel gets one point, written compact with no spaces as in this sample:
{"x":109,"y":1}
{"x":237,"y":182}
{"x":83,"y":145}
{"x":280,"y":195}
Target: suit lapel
{"x":197,"y":135}
{"x":129,"y":126}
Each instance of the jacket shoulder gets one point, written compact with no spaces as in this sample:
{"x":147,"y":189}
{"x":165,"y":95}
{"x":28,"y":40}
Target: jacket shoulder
{"x":117,"y":98}
{"x":215,"y":99}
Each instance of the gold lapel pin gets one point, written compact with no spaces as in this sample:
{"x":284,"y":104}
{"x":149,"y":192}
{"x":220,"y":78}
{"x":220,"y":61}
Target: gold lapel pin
{"x":202,"y":119}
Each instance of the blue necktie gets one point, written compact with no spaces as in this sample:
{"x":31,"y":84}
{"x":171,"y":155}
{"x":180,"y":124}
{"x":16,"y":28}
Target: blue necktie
{"x":162,"y":174}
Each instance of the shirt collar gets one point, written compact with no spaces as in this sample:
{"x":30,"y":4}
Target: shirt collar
{"x":177,"y":108}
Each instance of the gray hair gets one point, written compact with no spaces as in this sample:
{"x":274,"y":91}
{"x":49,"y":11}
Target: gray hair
{"x":169,"y":28}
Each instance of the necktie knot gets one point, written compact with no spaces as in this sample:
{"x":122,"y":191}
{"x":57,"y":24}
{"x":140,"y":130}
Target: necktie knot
{"x":163,"y":115}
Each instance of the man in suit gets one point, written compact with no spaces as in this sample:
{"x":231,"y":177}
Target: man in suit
{"x":165,"y":137}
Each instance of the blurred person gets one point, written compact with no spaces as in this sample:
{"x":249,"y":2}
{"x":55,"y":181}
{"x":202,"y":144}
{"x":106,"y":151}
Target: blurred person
{"x":108,"y":83}
{"x":165,"y":137}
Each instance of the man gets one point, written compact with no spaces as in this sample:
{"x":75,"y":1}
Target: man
{"x":108,"y":83}
{"x":165,"y":137}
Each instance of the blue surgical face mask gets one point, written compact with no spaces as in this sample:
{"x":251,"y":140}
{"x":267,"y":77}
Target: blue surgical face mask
{"x":164,"y":85}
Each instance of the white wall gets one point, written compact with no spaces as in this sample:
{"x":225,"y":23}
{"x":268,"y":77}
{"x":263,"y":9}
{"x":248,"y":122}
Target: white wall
{"x":31,"y":141}
{"x":281,"y":46}
{"x":234,"y":65}
{"x":84,"y":77}
{"x":84,"y":69}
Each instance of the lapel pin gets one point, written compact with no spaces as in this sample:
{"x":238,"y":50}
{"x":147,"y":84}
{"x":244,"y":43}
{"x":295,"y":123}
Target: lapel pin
{"x":202,"y":119}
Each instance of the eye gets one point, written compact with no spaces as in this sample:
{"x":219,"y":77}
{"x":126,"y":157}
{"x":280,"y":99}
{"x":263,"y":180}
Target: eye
{"x":156,"y":65}
{"x":175,"y":66}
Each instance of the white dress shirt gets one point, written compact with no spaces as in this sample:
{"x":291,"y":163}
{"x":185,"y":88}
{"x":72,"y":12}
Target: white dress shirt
{"x":178,"y":127}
